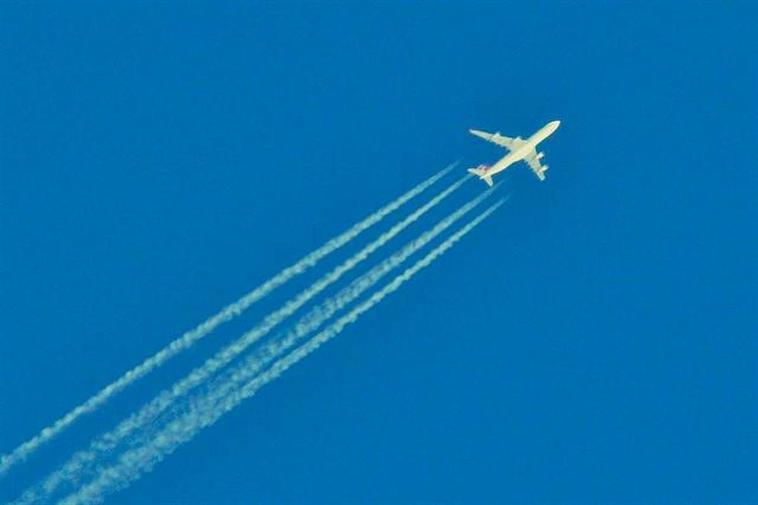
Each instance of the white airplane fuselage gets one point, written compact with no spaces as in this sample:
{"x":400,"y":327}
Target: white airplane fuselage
{"x":523,"y":150}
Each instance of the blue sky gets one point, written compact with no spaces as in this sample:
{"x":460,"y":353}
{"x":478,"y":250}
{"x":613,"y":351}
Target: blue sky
{"x":594,"y":342}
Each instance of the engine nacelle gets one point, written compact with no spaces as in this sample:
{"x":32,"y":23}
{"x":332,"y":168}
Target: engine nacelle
{"x":540,"y":155}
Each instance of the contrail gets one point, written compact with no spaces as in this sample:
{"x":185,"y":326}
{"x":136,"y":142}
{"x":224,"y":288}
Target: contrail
{"x":227,"y":313}
{"x":321,"y":313}
{"x":80,"y":460}
{"x":135,"y":462}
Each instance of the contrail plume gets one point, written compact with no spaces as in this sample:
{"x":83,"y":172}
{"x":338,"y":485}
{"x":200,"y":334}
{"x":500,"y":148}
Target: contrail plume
{"x":227,"y":313}
{"x":321,"y":313}
{"x":310,"y":322}
{"x":79,"y":462}
{"x":135,"y":462}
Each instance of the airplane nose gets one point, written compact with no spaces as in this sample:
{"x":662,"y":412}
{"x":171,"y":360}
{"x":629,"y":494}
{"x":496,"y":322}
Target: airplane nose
{"x":556,"y":124}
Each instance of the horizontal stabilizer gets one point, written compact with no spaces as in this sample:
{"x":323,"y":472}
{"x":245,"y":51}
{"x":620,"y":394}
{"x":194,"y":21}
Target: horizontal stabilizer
{"x":482,"y":173}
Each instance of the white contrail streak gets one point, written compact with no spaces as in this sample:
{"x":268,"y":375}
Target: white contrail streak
{"x":135,"y":462}
{"x":321,"y":313}
{"x":77,"y":463}
{"x":227,"y":313}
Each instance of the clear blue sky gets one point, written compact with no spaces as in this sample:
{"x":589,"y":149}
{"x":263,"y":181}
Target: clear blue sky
{"x":594,"y":342}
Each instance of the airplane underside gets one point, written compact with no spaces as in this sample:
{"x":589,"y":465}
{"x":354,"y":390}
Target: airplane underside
{"x":519,"y":150}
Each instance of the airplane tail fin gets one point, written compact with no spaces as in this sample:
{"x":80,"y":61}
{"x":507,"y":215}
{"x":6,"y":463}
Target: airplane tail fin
{"x":482,"y":173}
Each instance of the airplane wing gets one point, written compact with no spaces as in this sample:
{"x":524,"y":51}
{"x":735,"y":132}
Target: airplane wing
{"x":533,"y":160}
{"x":501,"y":140}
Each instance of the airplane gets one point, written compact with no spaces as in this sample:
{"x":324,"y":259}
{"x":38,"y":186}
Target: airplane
{"x":519,"y":149}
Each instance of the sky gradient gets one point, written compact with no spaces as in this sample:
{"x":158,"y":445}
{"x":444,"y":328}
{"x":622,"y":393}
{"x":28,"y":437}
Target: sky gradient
{"x":592,"y":342}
